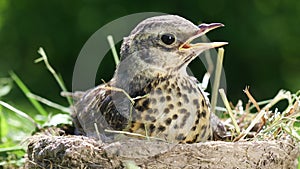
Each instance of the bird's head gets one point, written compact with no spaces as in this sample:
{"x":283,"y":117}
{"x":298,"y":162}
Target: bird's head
{"x":165,"y":43}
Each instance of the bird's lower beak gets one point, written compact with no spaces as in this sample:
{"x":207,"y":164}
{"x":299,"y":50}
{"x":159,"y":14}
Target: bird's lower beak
{"x":203,"y":29}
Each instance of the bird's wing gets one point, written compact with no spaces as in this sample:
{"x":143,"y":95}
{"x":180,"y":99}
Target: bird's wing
{"x":95,"y":112}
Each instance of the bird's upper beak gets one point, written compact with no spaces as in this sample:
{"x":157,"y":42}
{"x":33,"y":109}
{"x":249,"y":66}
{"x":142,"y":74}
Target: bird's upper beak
{"x":203,"y":29}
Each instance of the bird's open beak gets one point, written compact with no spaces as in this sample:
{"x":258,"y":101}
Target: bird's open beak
{"x":203,"y":29}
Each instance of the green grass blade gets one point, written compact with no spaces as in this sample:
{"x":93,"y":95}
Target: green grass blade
{"x":27,"y":92}
{"x":50,"y":103}
{"x":58,"y":79}
{"x":113,"y":49}
{"x":227,"y":105}
{"x":19,"y":112}
{"x":12,"y":148}
{"x":218,"y":71}
{"x":3,"y":125}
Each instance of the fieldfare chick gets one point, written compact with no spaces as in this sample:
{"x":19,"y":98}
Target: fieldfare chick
{"x":151,"y":93}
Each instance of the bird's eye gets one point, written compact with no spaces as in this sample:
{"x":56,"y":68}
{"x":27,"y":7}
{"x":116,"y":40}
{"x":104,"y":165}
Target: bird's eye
{"x":168,"y":38}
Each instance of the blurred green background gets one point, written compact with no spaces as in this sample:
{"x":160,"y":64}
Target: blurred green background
{"x":263,"y":40}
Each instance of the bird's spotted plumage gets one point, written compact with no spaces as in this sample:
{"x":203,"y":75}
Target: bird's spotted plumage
{"x":167,"y":102}
{"x":175,"y":110}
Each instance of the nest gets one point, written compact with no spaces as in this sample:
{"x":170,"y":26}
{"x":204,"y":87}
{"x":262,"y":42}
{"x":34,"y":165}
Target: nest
{"x":266,"y":140}
{"x":46,"y":151}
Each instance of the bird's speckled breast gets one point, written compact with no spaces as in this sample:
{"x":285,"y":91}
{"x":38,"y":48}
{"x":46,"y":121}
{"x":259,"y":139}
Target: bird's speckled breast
{"x":174,"y":109}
